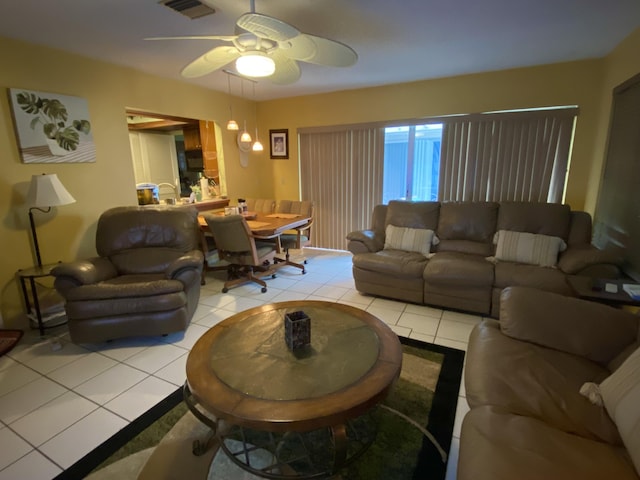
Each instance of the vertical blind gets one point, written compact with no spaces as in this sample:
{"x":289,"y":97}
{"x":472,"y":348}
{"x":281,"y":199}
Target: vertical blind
{"x":502,"y":156}
{"x":517,"y":156}
{"x":341,"y":172}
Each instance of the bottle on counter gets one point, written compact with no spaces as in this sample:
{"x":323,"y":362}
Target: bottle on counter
{"x":204,"y":187}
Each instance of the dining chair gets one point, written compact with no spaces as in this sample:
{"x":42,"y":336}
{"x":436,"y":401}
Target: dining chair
{"x":261,"y":205}
{"x":236,"y":246}
{"x":299,"y":237}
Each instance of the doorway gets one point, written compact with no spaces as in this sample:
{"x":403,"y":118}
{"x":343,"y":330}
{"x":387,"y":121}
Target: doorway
{"x":172,"y":151}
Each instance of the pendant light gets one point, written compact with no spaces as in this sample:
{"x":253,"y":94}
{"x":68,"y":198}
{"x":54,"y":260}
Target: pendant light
{"x":231,"y":124}
{"x":244,"y":136}
{"x":257,"y":146}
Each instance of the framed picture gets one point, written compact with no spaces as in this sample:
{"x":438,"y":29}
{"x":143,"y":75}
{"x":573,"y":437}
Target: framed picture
{"x":52,"y":128}
{"x":279,"y":143}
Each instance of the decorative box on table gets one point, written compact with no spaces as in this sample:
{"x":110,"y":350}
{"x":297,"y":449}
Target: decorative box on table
{"x":297,"y":329}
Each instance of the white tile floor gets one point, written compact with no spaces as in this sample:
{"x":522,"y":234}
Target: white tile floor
{"x":58,"y":405}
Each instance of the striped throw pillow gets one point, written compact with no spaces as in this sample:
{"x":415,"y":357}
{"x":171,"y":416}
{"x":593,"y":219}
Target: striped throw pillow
{"x":621,"y":395}
{"x":530,"y":248}
{"x":409,"y":239}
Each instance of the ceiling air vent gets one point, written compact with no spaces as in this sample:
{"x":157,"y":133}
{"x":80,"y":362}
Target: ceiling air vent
{"x":189,"y":8}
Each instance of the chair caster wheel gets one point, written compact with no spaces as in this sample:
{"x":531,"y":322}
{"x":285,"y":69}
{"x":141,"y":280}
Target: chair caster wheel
{"x":304,"y":271}
{"x":263,"y":289}
{"x":225,"y":290}
{"x":273,"y":276}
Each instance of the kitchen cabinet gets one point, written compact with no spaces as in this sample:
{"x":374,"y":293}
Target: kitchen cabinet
{"x":191,"y":135}
{"x":202,"y":137}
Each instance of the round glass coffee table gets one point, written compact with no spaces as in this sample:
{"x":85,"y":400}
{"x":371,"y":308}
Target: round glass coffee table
{"x":303,"y":413}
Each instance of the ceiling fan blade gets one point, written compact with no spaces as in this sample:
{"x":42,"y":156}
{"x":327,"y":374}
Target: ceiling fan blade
{"x":226,"y":38}
{"x":264,"y":26}
{"x":319,"y":50}
{"x":210,"y":61}
{"x":287,"y":69}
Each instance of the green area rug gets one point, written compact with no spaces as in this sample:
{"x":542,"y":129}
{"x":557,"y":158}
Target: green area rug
{"x":424,"y":396}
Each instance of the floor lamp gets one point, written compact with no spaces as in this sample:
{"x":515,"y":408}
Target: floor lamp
{"x":45,"y":191}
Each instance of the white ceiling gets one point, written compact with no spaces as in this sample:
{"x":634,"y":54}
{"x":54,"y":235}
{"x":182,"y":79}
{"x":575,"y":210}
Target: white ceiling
{"x":396,"y":41}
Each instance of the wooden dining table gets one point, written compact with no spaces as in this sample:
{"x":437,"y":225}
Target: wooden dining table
{"x":263,"y":226}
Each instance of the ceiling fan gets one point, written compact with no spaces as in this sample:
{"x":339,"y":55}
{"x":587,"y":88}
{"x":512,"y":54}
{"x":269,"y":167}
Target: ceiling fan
{"x":265,"y":46}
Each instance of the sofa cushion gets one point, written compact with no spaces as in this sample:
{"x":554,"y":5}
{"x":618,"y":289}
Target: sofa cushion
{"x":144,"y":260}
{"x":527,"y":379}
{"x":413,"y":214}
{"x":474,"y":221}
{"x":530,"y":248}
{"x":450,"y":268}
{"x":124,"y":228}
{"x":551,"y":219}
{"x":125,"y":295}
{"x":497,"y":445}
{"x":396,"y":263}
{"x":409,"y":239}
{"x":621,"y":396}
{"x":512,"y":274}
{"x":467,"y":227}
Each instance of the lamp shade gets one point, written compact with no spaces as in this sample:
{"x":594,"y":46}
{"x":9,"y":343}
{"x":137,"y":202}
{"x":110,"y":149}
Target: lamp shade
{"x":257,"y":146}
{"x":255,"y":64}
{"x":46,"y":190}
{"x":245,"y":137}
{"x":232,"y":125}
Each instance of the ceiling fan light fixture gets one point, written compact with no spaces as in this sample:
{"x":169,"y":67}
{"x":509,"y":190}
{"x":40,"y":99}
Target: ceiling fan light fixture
{"x":255,"y":64}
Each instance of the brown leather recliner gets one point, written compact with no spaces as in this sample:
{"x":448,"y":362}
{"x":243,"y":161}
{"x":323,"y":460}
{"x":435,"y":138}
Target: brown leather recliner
{"x":145,"y":280}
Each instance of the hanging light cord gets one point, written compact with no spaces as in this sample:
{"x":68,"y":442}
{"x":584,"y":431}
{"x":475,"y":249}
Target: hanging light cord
{"x":229,"y":90}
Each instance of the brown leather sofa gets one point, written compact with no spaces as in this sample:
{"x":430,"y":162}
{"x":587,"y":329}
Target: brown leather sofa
{"x":145,"y":280}
{"x":457,"y":273}
{"x":523,"y":377}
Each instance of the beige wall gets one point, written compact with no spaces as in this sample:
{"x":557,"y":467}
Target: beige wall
{"x":68,"y":232}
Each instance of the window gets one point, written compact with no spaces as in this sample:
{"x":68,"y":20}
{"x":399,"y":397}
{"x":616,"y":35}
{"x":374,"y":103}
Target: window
{"x":499,"y":156}
{"x":411,"y":162}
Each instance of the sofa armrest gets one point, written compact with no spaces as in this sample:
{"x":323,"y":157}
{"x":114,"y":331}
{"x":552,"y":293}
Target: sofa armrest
{"x":577,"y":258}
{"x":363,"y":241}
{"x":86,"y":272}
{"x":587,"y":329}
{"x":189,"y":262}
{"x":82,"y":272}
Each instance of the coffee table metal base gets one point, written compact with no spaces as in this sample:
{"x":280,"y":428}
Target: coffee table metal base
{"x":293,"y":455}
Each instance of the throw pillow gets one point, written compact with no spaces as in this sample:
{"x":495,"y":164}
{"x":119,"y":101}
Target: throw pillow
{"x":530,"y":248}
{"x":621,"y":396}
{"x":410,"y":239}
